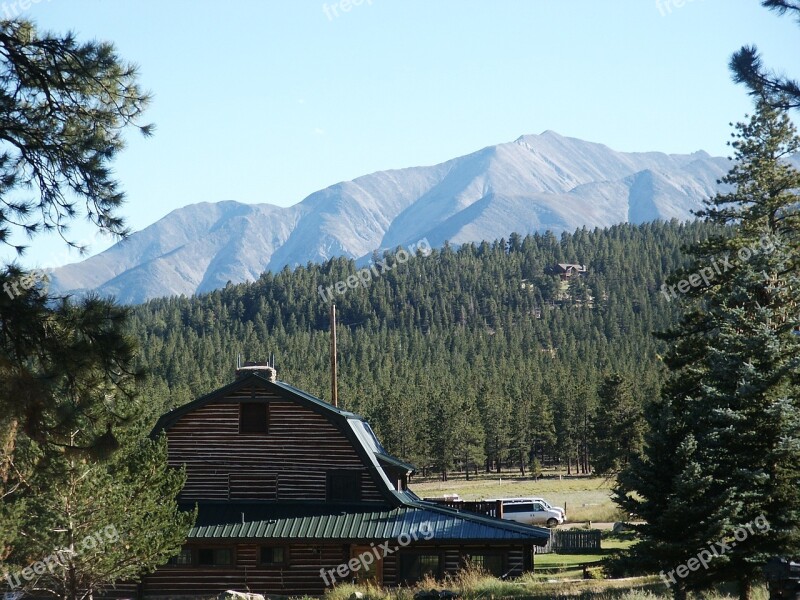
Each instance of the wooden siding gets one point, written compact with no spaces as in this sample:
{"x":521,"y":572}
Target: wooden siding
{"x":301,"y":574}
{"x":453,"y":561}
{"x":289,"y":462}
{"x":390,"y":569}
{"x":516,"y":562}
{"x":513,"y":558}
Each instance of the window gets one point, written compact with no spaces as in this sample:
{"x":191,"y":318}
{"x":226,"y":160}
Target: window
{"x":273,"y":555}
{"x":184,"y":558}
{"x":415,"y":567}
{"x":253,"y":417}
{"x":491,"y":563}
{"x":344,"y":485}
{"x":214,"y":557}
{"x":519,"y":507}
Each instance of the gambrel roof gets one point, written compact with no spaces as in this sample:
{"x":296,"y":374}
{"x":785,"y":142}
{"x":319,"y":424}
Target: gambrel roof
{"x":402,"y":512}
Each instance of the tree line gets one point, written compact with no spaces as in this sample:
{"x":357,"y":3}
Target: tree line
{"x":479,"y":357}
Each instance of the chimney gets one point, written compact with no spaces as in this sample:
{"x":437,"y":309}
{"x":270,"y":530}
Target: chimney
{"x":264,"y":369}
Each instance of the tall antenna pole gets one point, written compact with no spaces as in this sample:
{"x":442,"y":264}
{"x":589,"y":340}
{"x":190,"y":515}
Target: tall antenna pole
{"x":334,"y":380}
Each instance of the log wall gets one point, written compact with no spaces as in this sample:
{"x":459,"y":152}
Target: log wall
{"x":289,"y":462}
{"x":301,"y":574}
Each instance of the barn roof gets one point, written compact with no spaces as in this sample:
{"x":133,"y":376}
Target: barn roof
{"x":403,"y":512}
{"x":282,"y":388}
{"x":298,"y":521}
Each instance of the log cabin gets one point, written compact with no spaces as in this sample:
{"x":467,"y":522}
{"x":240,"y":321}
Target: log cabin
{"x":295,"y":495}
{"x":567,"y":270}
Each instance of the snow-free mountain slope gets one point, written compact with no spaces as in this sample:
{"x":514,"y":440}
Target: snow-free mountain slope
{"x":534,"y":183}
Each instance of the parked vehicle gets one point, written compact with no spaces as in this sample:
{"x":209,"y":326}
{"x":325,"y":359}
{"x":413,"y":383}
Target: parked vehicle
{"x":542,"y":501}
{"x":531,"y":511}
{"x":549,"y":506}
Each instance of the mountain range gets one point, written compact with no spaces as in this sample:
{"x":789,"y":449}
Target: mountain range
{"x":535,"y":183}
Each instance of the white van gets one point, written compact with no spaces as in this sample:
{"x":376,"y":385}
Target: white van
{"x":531,"y":511}
{"x":549,"y":506}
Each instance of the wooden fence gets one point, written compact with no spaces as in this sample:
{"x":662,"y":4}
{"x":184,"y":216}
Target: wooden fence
{"x":571,"y":541}
{"x":492,"y":509}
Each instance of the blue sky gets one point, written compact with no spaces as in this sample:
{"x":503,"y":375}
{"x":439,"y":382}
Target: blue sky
{"x":267,"y":101}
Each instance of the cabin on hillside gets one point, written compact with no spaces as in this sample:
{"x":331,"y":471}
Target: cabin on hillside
{"x":295,"y":496}
{"x":567,"y":270}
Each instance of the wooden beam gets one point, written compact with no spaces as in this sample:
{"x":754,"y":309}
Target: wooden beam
{"x":334,"y":381}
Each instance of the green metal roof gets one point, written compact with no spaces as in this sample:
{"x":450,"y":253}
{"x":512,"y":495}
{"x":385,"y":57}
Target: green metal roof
{"x":269,"y":521}
{"x":396,"y":462}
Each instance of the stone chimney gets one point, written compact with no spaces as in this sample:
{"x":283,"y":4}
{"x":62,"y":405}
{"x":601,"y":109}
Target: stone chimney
{"x":264,"y":369}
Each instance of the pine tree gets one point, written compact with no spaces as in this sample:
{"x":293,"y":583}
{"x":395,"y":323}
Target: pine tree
{"x":64,"y":367}
{"x":93,"y":523}
{"x":442,"y":426}
{"x":725,"y":440}
{"x":618,"y":426}
{"x":64,"y":106}
{"x":67,"y":376}
{"x":496,"y":411}
{"x":469,"y":442}
{"x":748,"y":68}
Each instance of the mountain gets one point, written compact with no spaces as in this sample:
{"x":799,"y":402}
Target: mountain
{"x":535,"y":183}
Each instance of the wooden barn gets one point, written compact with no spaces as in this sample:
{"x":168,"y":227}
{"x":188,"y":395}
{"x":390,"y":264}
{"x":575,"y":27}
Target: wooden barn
{"x":295,"y":495}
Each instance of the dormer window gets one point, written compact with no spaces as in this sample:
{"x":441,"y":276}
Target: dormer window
{"x":253,"y":417}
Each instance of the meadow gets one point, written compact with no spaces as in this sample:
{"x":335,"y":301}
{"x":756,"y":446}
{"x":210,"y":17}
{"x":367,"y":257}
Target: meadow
{"x":585,"y":499}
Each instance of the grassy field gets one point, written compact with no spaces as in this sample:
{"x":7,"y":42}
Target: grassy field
{"x":474,"y":586}
{"x":584,"y":498}
{"x":572,"y":560}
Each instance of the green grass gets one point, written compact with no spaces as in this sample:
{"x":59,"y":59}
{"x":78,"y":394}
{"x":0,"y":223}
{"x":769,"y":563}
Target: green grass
{"x":570,"y":566}
{"x":545,"y":561}
{"x":476,"y":586}
{"x":585,"y":498}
